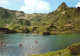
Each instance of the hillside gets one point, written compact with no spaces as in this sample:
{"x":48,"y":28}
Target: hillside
{"x":63,"y":20}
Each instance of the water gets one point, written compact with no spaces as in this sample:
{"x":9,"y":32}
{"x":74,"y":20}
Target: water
{"x":45,"y":43}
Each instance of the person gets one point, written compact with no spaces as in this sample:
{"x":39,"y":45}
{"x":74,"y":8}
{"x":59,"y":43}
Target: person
{"x":20,"y":45}
{"x":36,"y":42}
{"x":4,"y":44}
{"x":31,"y":46}
{"x":1,"y":44}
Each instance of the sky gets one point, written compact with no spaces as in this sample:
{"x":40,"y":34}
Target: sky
{"x":37,"y":6}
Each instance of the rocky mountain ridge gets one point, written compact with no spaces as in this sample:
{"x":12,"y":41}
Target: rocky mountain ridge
{"x":63,"y":20}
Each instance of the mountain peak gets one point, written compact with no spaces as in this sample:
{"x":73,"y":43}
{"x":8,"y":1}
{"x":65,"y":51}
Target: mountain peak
{"x":63,"y":6}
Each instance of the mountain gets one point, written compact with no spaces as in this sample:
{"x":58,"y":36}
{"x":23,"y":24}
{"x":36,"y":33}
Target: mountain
{"x":63,"y":20}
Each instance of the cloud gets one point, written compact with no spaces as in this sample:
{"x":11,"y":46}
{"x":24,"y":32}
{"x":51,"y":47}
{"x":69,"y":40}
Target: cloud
{"x":17,"y":0}
{"x":78,"y":4}
{"x":4,"y":3}
{"x":33,"y":6}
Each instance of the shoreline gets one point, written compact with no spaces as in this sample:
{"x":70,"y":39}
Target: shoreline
{"x":9,"y":32}
{"x":42,"y":33}
{"x":71,"y":50}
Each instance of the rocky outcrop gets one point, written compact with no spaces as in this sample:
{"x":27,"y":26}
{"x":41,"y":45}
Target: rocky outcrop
{"x":23,"y":22}
{"x":46,"y":33}
{"x":61,"y":21}
{"x":75,"y":49}
{"x":6,"y":30}
{"x":24,"y":30}
{"x":63,"y":6}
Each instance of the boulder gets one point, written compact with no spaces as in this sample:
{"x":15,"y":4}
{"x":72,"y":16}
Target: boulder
{"x":75,"y":49}
{"x":46,"y":33}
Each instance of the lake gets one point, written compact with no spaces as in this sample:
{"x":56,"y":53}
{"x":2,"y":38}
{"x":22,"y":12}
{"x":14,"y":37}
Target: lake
{"x":44,"y":43}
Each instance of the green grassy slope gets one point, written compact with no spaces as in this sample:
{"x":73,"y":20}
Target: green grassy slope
{"x":63,"y":20}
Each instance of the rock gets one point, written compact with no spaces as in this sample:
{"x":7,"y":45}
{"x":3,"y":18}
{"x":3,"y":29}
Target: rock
{"x":59,"y":53}
{"x":23,"y":22}
{"x":34,"y":28}
{"x":62,"y":6}
{"x":46,"y":33}
{"x":6,"y":30}
{"x":75,"y":49}
{"x":24,"y":30}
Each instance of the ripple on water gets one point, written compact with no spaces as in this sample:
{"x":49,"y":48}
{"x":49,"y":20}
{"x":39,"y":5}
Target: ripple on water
{"x":45,"y":43}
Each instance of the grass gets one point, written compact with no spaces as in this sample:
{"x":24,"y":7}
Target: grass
{"x":65,"y":19}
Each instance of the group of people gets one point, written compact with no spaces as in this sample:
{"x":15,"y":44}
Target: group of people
{"x":3,"y":44}
{"x":20,"y":45}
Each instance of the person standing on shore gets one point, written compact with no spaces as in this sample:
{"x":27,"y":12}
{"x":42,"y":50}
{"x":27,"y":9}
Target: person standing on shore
{"x":4,"y":44}
{"x":1,"y":44}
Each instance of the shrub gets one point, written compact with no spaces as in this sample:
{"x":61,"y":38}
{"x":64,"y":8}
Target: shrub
{"x":75,"y":49}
